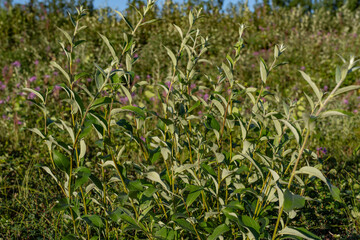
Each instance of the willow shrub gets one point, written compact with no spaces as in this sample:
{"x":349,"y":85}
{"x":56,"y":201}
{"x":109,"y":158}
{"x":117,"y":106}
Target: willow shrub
{"x":174,"y":164}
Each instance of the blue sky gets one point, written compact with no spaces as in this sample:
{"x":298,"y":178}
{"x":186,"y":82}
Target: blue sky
{"x":121,"y":4}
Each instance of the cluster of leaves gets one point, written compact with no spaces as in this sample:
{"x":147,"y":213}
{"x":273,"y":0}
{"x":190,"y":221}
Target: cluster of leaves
{"x":234,"y":164}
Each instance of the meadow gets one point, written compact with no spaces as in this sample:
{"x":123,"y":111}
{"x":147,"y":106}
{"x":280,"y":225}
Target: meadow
{"x":189,"y":121}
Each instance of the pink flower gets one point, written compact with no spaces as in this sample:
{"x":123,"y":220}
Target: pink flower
{"x":36,"y":62}
{"x":16,"y":64}
{"x":206,"y":96}
{"x":256,"y":53}
{"x":32,"y":79}
{"x":302,"y":68}
{"x":346,"y":101}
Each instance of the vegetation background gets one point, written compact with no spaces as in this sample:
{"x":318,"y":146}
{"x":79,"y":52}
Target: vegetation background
{"x":314,"y":33}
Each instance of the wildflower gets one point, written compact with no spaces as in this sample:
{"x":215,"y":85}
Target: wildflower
{"x":256,"y":53}
{"x":47,"y":76}
{"x":37,"y":88}
{"x":142,"y":138}
{"x":267,"y":88}
{"x":152,"y":99}
{"x":302,"y":68}
{"x":2,"y":101}
{"x":31,"y":96}
{"x":18,"y":85}
{"x":32,"y":79}
{"x":355,"y":111}
{"x":16,"y":64}
{"x":206,"y":96}
{"x":57,"y":87}
{"x":137,"y":77}
{"x":4,"y":71}
{"x":326,"y":88}
{"x":192,"y":86}
{"x":8,"y":98}
{"x":89,"y":79}
{"x":148,"y":76}
{"x":56,"y":73}
{"x":136,"y":55}
{"x":36,"y":62}
{"x":168,"y":84}
{"x":19,"y":122}
{"x":346,"y":101}
{"x":2,"y":86}
{"x":124,"y":100}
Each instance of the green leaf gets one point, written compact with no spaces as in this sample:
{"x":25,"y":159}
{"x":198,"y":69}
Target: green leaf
{"x":93,"y":220}
{"x":185,"y":225}
{"x":38,"y":94}
{"x":250,"y":223}
{"x":111,"y":48}
{"x":312,"y":85}
{"x":61,"y":205}
{"x":125,"y":19}
{"x":101,"y":102}
{"x":332,"y":113}
{"x":66,"y":35}
{"x":299,"y":232}
{"x":130,"y":220}
{"x":263,"y":71}
{"x":154,"y":176}
{"x":172,"y":56}
{"x":194,"y":193}
{"x":70,"y":237}
{"x":335,"y":192}
{"x":229,"y":75}
{"x":346,"y":89}
{"x":218,"y":231}
{"x":134,"y":109}
{"x":54,"y":64}
{"x":293,"y":129}
{"x":198,"y":103}
{"x":61,"y":161}
{"x":292,"y":201}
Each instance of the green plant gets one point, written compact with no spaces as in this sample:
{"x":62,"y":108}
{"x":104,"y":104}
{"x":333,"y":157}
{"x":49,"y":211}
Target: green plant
{"x":172,"y":172}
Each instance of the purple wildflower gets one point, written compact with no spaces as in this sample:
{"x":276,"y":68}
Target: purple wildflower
{"x":192,"y":86}
{"x":256,"y":53}
{"x":18,"y":85}
{"x":2,"y":101}
{"x":326,"y":88}
{"x":206,"y":96}
{"x":142,"y":138}
{"x":355,"y":111}
{"x":137,"y":77}
{"x":148,"y":76}
{"x":36,"y":62}
{"x":136,"y":55}
{"x":16,"y":64}
{"x":57,"y":87}
{"x":124,"y":100}
{"x":47,"y":76}
{"x":56,"y":73}
{"x":19,"y":122}
{"x":302,"y":68}
{"x":37,"y":88}
{"x":346,"y":101}
{"x":31,"y":96}
{"x":32,"y":79}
